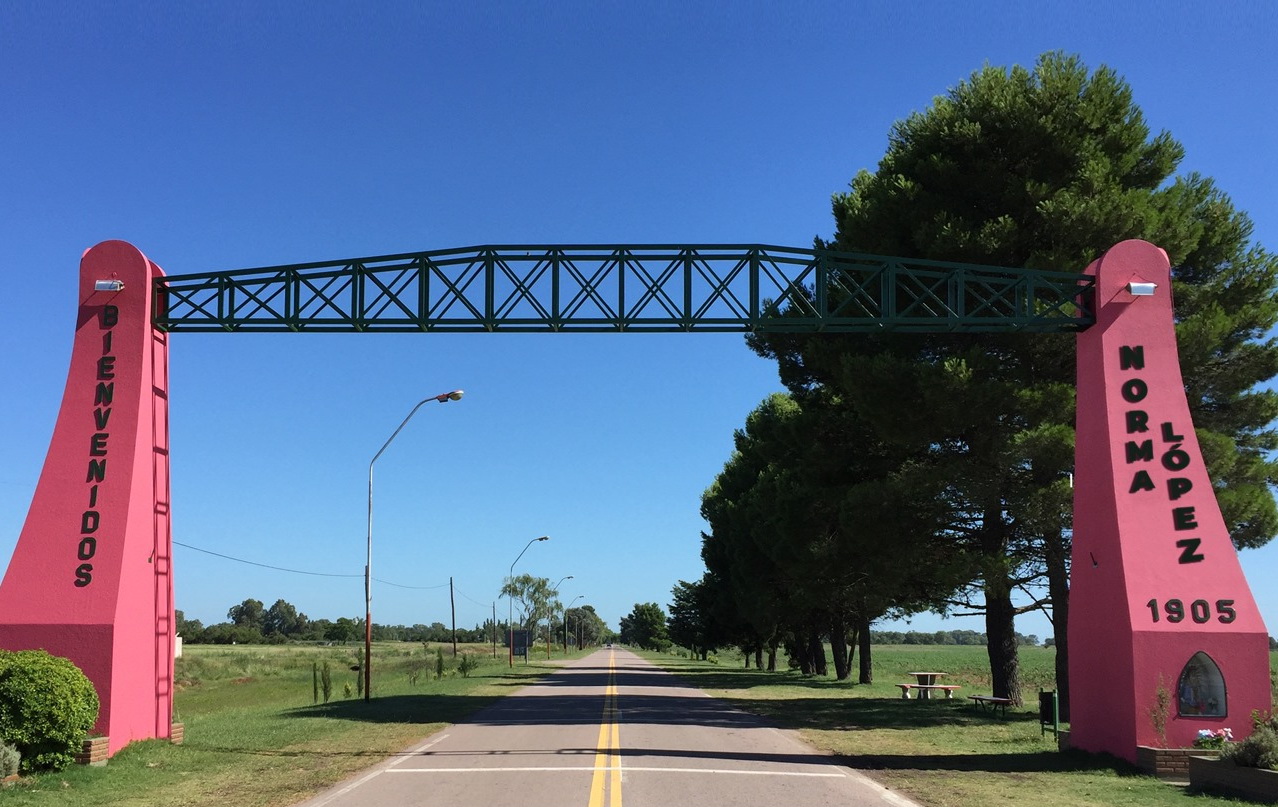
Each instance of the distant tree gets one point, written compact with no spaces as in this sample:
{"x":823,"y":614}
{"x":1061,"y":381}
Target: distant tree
{"x":692,"y":622}
{"x":588,"y":625}
{"x":229,"y":633}
{"x":282,"y":619}
{"x":343,"y":630}
{"x":531,"y":596}
{"x":187,"y":628}
{"x":317,"y":630}
{"x":645,"y":627}
{"x":248,"y":614}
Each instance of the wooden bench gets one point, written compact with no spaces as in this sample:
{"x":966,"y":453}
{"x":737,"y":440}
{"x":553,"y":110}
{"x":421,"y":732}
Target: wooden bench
{"x":925,"y":689}
{"x":990,"y":702}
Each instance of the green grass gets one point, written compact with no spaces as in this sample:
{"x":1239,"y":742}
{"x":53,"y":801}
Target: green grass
{"x":941,"y":753}
{"x":255,"y":739}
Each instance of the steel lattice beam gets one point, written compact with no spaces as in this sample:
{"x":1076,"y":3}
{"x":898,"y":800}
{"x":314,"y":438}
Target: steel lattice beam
{"x":608,"y":288}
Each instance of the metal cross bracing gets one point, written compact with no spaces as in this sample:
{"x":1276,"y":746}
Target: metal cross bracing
{"x":607,"y":288}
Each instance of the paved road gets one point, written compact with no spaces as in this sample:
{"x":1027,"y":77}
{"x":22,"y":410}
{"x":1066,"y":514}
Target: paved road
{"x":606,"y":730}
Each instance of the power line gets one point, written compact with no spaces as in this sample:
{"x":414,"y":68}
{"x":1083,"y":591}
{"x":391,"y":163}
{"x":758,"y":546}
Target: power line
{"x":298,"y":571}
{"x":476,"y":602}
{"x":401,"y":585}
{"x":263,"y":565}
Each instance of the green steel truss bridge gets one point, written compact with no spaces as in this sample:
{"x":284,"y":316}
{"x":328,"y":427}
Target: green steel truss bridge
{"x":609,"y":288}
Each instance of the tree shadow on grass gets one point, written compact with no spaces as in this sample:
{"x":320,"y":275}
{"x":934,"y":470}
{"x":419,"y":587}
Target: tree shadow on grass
{"x":864,"y":714}
{"x":748,"y":679}
{"x":554,"y":706}
{"x":1028,"y":762}
{"x":400,"y":708}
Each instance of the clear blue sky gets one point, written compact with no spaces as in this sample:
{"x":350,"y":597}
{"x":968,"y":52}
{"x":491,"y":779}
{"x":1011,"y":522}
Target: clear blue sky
{"x":225,"y":135}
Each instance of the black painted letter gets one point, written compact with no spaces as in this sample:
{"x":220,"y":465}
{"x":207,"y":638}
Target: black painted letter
{"x":1178,"y":486}
{"x":1141,"y":481}
{"x":1137,"y":421}
{"x":1140,"y":452}
{"x":1131,"y":358}
{"x":1189,"y":550}
{"x":1135,"y":390}
{"x":1183,"y":518}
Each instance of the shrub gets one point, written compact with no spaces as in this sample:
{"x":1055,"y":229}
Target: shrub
{"x":467,"y":664}
{"x":9,"y":760}
{"x":326,"y":682}
{"x":47,"y":707}
{"x":1159,"y":712}
{"x":415,"y":671}
{"x":439,"y":662}
{"x":1260,"y":750}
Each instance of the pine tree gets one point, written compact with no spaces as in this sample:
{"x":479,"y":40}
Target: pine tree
{"x":1045,"y":169}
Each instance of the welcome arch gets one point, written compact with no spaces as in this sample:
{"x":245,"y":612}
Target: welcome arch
{"x":1155,"y":579}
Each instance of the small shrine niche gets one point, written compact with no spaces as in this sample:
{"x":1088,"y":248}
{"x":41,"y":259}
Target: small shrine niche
{"x":1200,"y":692}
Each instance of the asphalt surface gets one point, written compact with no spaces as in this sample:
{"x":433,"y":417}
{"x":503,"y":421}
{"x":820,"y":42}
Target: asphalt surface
{"x":608,"y":730}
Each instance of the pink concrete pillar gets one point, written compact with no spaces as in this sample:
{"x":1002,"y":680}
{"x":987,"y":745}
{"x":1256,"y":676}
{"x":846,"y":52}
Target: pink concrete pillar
{"x":90,"y":577}
{"x":1157,"y":596}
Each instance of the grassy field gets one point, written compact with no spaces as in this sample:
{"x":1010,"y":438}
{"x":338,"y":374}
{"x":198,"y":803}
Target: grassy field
{"x":940,"y":753}
{"x":255,"y":739}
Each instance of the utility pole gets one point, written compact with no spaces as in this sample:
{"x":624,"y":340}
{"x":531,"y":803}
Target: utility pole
{"x":452,"y":605}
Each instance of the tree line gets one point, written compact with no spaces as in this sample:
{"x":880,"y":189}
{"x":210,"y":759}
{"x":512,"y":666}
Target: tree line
{"x":647,"y":626}
{"x":251,"y":622}
{"x":900,"y":473}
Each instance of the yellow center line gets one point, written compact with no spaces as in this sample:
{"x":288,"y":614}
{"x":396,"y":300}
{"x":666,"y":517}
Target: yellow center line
{"x":608,"y":747}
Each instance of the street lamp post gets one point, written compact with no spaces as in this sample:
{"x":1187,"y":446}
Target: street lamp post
{"x":566,"y":609}
{"x":445,"y":397}
{"x":510,"y":599}
{"x":550,"y":613}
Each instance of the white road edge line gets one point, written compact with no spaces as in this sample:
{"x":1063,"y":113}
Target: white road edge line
{"x":883,"y":792}
{"x":627,"y":769}
{"x":373,"y":774}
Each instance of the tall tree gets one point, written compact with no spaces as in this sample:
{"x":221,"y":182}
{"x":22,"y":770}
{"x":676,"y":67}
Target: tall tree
{"x":344,"y":630}
{"x":800,"y":519}
{"x":531,"y":595}
{"x":695,"y":621}
{"x":248,"y":614}
{"x":585,"y":624}
{"x":645,"y":626}
{"x":188,"y":628}
{"x":283,"y":619}
{"x":1045,"y":168}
